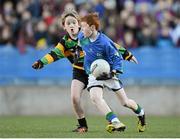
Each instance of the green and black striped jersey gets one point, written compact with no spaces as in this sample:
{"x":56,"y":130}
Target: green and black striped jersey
{"x":67,"y":47}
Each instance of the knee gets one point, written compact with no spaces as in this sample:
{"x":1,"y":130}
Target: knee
{"x":94,"y":98}
{"x":75,"y":99}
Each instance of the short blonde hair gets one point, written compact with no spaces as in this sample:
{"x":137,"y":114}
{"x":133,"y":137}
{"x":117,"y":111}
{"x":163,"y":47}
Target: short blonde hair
{"x":69,"y":12}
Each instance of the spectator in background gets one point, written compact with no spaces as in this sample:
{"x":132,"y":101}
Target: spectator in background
{"x":131,"y":29}
{"x":47,"y":17}
{"x":129,"y":40}
{"x":136,"y":19}
{"x":145,"y":37}
{"x":34,"y":7}
{"x":99,"y":7}
{"x":6,"y":35}
{"x":53,"y":37}
{"x":129,"y":6}
{"x":25,"y":32}
{"x":8,"y":8}
{"x":164,"y":39}
{"x":175,"y":34}
{"x":41,"y":35}
{"x":143,"y":13}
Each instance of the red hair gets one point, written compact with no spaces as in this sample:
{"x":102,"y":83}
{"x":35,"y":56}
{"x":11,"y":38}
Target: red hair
{"x":92,"y":19}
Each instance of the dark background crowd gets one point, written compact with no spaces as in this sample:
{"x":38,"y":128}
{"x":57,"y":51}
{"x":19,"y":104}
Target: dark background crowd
{"x":135,"y":23}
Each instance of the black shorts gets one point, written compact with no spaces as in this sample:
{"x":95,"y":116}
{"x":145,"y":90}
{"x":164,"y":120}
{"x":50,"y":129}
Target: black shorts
{"x":81,"y":76}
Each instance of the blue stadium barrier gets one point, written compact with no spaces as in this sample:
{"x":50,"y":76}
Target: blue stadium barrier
{"x":156,"y":66}
{"x":15,"y":68}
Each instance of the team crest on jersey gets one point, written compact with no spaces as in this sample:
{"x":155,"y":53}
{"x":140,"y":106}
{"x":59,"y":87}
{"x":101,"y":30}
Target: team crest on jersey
{"x":116,"y":54}
{"x":99,"y":55}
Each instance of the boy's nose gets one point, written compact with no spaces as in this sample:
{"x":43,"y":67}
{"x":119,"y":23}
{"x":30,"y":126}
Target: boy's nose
{"x":71,"y":25}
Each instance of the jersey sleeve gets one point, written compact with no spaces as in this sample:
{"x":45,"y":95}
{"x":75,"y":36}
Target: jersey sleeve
{"x":55,"y":54}
{"x":124,"y":52}
{"x":114,"y":58}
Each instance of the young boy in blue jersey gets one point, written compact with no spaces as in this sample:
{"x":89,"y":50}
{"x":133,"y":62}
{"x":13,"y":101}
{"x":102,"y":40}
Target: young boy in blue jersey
{"x":67,"y":48}
{"x":97,"y":45}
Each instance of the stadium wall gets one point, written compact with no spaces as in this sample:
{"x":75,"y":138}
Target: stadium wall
{"x":55,"y":100}
{"x":156,"y":66}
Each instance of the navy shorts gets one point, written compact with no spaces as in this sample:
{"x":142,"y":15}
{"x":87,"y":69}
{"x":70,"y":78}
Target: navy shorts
{"x":81,"y":76}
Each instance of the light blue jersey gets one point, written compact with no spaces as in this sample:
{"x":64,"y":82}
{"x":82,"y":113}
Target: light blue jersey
{"x":101,"y":48}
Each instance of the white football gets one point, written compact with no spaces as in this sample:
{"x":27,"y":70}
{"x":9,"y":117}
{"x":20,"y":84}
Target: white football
{"x":99,"y":66}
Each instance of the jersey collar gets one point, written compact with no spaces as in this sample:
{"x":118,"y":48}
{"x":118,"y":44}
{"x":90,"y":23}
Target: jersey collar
{"x":93,"y":40}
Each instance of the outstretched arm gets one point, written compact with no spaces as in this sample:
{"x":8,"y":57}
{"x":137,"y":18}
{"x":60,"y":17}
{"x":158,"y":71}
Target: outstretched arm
{"x":126,"y":54}
{"x":55,"y":54}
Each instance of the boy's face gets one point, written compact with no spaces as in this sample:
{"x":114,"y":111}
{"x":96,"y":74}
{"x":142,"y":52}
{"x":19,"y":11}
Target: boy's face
{"x":71,"y":25}
{"x":86,"y":29}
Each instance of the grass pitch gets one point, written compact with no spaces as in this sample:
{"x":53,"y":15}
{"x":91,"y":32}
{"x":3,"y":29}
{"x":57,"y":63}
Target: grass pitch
{"x":61,"y":127}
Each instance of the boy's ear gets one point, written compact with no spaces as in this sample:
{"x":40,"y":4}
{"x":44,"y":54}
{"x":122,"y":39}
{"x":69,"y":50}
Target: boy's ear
{"x":79,"y":25}
{"x":93,"y":27}
{"x":63,"y":27}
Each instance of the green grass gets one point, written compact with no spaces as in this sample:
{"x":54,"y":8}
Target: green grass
{"x":50,"y":127}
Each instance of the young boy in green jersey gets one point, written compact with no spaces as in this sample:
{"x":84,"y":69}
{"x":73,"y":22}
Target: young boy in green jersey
{"x":68,"y":48}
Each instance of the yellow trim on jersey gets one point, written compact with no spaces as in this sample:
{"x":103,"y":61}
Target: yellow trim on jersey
{"x":68,"y":53}
{"x":117,"y":45}
{"x":128,"y":56}
{"x":81,"y":54}
{"x":49,"y":58}
{"x":78,"y":67}
{"x":60,"y":47}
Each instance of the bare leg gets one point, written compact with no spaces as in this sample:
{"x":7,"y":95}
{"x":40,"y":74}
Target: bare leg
{"x":96,"y":95}
{"x":125,"y":101}
{"x":76,"y":92}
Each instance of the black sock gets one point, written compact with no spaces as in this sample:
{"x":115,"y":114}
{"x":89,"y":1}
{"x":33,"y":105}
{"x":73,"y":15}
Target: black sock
{"x":82,"y":122}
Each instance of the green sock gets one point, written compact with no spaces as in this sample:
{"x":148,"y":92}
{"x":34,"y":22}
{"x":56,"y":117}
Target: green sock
{"x":110,"y":116}
{"x":138,"y":109}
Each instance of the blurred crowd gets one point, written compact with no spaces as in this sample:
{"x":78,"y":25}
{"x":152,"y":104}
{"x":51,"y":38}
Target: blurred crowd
{"x":135,"y":23}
